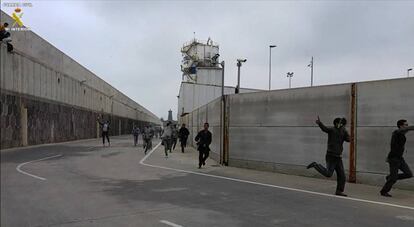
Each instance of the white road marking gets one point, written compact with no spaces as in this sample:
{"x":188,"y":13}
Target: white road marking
{"x":18,"y":168}
{"x":170,"y":223}
{"x":406,"y":218}
{"x":169,"y":190}
{"x":270,"y":185}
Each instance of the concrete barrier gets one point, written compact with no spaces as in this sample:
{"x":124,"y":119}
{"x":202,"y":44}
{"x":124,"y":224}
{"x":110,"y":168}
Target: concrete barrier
{"x":276,"y":130}
{"x":380,"y":104}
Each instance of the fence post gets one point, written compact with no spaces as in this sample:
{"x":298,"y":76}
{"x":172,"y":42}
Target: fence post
{"x":226,"y":111}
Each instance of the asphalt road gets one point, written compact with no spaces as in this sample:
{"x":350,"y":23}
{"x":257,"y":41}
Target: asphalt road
{"x":84,"y":184}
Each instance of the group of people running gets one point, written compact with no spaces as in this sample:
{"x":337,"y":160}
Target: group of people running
{"x":337,"y":135}
{"x":170,"y":135}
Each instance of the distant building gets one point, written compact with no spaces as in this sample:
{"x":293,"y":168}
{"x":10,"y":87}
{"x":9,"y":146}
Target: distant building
{"x":169,"y":119}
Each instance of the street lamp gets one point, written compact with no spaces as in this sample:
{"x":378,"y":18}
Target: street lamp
{"x":270,"y":64}
{"x":239,"y":64}
{"x":311,"y":66}
{"x":290,"y":75}
{"x":222,"y":79}
{"x":222,"y":113}
{"x":408,"y":72}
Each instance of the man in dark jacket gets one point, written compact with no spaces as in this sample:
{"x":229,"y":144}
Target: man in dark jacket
{"x":135,"y":132}
{"x":203,"y":140}
{"x":395,"y":157}
{"x":183,"y":135}
{"x":336,"y":137}
{"x":105,"y":130}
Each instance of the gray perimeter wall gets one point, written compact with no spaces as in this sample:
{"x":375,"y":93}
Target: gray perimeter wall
{"x":46,"y":96}
{"x":379,"y":105}
{"x":195,"y":120}
{"x":276,"y":130}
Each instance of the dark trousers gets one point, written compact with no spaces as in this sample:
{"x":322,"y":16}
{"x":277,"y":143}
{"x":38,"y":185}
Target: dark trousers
{"x":333,"y":164}
{"x":4,"y":34}
{"x":147,"y":144}
{"x":202,"y":157}
{"x":395,"y":165}
{"x":183,"y":144}
{"x":174,"y":142}
{"x":167,"y":141}
{"x":105,"y":134}
{"x":135,"y":140}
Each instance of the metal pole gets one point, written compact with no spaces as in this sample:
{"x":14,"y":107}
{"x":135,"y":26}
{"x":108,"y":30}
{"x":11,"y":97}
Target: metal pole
{"x":312,"y":72}
{"x":238,"y":78}
{"x":270,"y":66}
{"x":222,"y":79}
{"x":222,"y":114}
{"x":290,"y":75}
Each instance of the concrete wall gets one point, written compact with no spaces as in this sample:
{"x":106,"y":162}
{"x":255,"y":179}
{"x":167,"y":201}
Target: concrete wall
{"x":195,"y":121}
{"x":276,"y":130}
{"x":46,"y":96}
{"x":27,"y":120}
{"x":38,"y":68}
{"x":379,"y":105}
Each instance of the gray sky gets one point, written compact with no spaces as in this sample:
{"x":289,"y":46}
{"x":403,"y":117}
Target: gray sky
{"x":135,"y":45}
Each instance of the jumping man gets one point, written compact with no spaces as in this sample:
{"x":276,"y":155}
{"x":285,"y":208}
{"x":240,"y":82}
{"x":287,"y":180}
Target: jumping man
{"x":336,"y":137}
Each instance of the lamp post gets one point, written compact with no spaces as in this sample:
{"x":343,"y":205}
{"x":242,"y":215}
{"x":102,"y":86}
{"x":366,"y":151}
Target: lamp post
{"x":408,"y":72}
{"x":311,"y":66}
{"x":222,"y":79}
{"x":239,"y":64}
{"x":270,"y":65}
{"x":290,"y":75}
{"x":222,"y":114}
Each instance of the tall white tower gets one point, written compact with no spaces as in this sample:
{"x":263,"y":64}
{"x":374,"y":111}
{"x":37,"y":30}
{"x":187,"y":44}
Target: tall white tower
{"x":201,"y":75}
{"x":200,"y":62}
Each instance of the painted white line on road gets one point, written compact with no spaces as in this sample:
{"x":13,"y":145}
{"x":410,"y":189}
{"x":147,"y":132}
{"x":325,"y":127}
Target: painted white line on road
{"x":271,"y":185}
{"x":170,"y":223}
{"x":18,"y":168}
{"x":148,"y":154}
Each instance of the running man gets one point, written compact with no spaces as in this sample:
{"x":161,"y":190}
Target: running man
{"x":203,"y":140}
{"x":167,"y":138}
{"x":183,"y":135}
{"x":337,"y":135}
{"x":395,"y":157}
{"x":135,"y":132}
{"x":174,"y":136}
{"x":147,"y":135}
{"x":105,"y":130}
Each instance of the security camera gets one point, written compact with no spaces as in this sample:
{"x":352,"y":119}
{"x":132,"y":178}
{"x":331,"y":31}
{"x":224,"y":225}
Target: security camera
{"x":214,"y":58}
{"x":241,"y":60}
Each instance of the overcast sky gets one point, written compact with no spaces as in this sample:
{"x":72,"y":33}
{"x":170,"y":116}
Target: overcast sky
{"x":135,"y":45}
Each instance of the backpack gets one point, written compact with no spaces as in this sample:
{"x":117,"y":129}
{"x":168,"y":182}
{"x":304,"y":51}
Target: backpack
{"x":105,"y":127}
